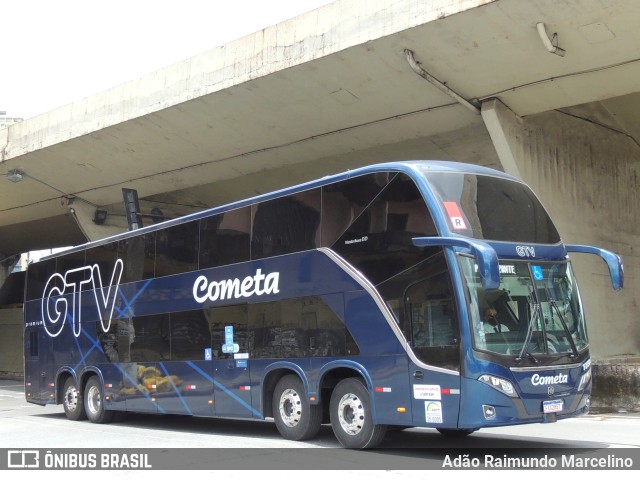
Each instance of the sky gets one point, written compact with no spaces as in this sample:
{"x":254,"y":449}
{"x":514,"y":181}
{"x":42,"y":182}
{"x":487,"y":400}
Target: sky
{"x":57,"y":52}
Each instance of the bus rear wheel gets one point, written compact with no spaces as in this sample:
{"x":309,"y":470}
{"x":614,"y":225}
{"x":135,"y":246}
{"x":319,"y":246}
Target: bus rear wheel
{"x":295,"y":417}
{"x":72,"y":401}
{"x":351,"y":416}
{"x":94,"y":402}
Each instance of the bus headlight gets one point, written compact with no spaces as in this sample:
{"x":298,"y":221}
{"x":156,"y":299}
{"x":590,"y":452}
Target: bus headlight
{"x":500,"y":384}
{"x":584,"y":381}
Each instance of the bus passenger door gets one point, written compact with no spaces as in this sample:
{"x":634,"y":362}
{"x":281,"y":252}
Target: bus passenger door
{"x":231,"y":386}
{"x":435,"y":340}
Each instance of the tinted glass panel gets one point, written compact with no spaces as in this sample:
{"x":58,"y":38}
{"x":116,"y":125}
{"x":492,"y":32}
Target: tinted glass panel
{"x":220,"y":320}
{"x":379,"y":241}
{"x":298,"y":328}
{"x":189,"y":335}
{"x":344,"y":201}
{"x":116,"y":342}
{"x":492,"y":208}
{"x":421,"y":299}
{"x":177,"y":249}
{"x":104,"y":256}
{"x":138,"y":257}
{"x":33,"y":344}
{"x":225,"y":238}
{"x":149,"y":340}
{"x":286,"y":225}
{"x":70,"y":261}
{"x":37,"y":276}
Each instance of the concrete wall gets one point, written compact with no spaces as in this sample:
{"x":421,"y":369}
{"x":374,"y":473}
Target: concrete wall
{"x":588,"y":177}
{"x":11,"y":331}
{"x":587,"y":174}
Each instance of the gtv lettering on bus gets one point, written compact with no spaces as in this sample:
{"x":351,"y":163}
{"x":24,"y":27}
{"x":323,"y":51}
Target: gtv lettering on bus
{"x":55,"y":305}
{"x":258,"y":284}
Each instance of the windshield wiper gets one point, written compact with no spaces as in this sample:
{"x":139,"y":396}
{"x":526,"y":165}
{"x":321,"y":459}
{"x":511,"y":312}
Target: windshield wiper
{"x":533,"y":316}
{"x":554,"y":306}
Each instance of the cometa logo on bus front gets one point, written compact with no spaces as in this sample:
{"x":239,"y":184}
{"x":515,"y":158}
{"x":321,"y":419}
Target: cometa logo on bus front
{"x":258,"y":284}
{"x":62,"y":290}
{"x":549,"y":380}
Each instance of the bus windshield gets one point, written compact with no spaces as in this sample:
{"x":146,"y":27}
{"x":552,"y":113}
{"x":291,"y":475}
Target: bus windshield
{"x":536,"y":311}
{"x":491,"y":208}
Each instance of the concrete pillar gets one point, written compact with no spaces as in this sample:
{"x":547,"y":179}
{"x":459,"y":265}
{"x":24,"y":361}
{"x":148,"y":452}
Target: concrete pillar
{"x":11,"y":355}
{"x":505,"y":129}
{"x":588,"y":177}
{"x":6,"y":266}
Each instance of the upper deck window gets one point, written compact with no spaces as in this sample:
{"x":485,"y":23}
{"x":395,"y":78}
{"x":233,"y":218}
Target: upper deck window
{"x":492,"y":208}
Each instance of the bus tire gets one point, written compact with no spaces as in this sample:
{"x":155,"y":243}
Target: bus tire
{"x":351,"y":416}
{"x":72,"y":401}
{"x":94,"y":402}
{"x":456,"y":432}
{"x":294,"y":416}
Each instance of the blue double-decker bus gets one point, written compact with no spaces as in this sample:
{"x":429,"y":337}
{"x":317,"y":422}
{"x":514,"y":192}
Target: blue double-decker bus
{"x":408,"y":294}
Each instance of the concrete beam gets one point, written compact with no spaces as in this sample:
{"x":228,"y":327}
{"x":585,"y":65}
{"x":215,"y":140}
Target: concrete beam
{"x":6,"y":266}
{"x":504,"y":128}
{"x":83,"y":213}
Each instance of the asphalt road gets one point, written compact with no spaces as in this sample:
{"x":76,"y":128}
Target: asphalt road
{"x":28,"y":426}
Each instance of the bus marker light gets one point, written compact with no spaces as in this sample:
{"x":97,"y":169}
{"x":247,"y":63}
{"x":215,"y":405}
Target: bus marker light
{"x":108,"y":385}
{"x":245,"y":387}
{"x":151,"y":387}
{"x":312,"y":399}
{"x":210,"y":402}
{"x":191,"y":387}
{"x":401,"y":410}
{"x":52,"y":384}
{"x":451,"y":391}
{"x":383,"y":389}
{"x":153,"y":399}
{"x":107,"y":398}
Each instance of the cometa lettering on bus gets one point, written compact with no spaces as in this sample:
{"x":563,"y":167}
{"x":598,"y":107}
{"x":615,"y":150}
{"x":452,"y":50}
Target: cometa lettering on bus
{"x":258,"y":284}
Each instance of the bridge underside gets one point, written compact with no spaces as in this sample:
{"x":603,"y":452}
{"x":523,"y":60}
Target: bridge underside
{"x":335,"y":89}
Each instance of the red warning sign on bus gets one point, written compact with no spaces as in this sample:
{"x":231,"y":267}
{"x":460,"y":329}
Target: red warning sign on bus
{"x":455,"y":215}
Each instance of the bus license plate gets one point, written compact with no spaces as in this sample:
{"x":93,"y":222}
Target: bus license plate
{"x":550,"y":406}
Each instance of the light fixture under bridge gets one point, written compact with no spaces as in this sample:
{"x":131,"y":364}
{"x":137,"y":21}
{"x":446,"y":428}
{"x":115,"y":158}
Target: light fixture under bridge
{"x":15,"y":176}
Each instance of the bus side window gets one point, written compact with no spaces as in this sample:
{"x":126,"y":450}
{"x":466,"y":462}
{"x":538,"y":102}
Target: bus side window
{"x":219,"y":319}
{"x":225,"y":238}
{"x":285,"y":225}
{"x":177,"y":249}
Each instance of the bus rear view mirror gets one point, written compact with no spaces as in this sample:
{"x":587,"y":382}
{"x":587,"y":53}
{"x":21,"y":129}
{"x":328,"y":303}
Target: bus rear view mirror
{"x":616,"y":270}
{"x":485,"y":255}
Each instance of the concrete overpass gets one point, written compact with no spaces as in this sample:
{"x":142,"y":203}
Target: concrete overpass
{"x":545,"y":90}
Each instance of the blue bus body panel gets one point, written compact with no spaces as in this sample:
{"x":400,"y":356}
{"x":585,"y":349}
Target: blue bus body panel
{"x":403,"y":391}
{"x":227,"y":388}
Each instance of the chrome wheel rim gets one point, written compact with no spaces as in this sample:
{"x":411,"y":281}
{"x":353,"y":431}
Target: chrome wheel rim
{"x":71,"y":399}
{"x":94,"y":400}
{"x":290,"y":407}
{"x":351,"y":414}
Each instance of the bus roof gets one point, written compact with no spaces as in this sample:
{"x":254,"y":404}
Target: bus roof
{"x":409,"y":167}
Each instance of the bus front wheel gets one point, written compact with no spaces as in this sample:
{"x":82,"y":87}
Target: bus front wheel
{"x":295,"y":417}
{"x":72,"y":401}
{"x":94,"y":402}
{"x":351,"y":416}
